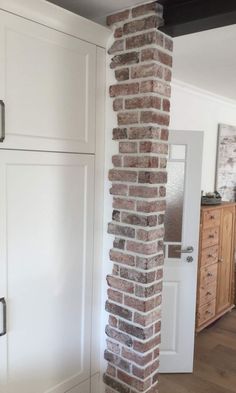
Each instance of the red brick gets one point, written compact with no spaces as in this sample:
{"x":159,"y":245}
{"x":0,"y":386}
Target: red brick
{"x":111,"y":370}
{"x":119,"y":189}
{"x":147,"y":319}
{"x":111,"y":346}
{"x":116,"y":215}
{"x":125,"y":176}
{"x":137,"y":384}
{"x":149,"y":235}
{"x":149,"y":263}
{"x":122,"y":74}
{"x":119,"y":336}
{"x":155,"y":86}
{"x":112,"y":321}
{"x":120,"y":133}
{"x":138,"y":219}
{"x":144,"y":373}
{"x":125,"y":118}
{"x":143,"y":191}
{"x":150,"y":22}
{"x":118,"y":104}
{"x":164,"y":134}
{"x":121,"y":230}
{"x":144,"y":9}
{"x":152,"y":177}
{"x":128,"y":147}
{"x":120,"y":203}
{"x":119,"y":244}
{"x":142,"y":248}
{"x":124,"y":89}
{"x":141,"y":360}
{"x":147,"y":70}
{"x":118,"y":310}
{"x":153,"y":37}
{"x":143,"y":102}
{"x":136,"y":331}
{"x":153,"y":147}
{"x":120,"y":257}
{"x":156,"y":54}
{"x":166,"y":105}
{"x":118,"y":17}
{"x":115,"y":296}
{"x":167,"y":74}
{"x":168,"y":44}
{"x":149,"y":132}
{"x":117,"y":361}
{"x":140,"y":277}
{"x":151,"y":207}
{"x":162,"y":191}
{"x":154,"y":117}
{"x":116,"y":385}
{"x":118,"y":32}
{"x":140,"y":162}
{"x":117,"y":161}
{"x":124,"y":59}
{"x":143,"y":347}
{"x":121,"y":285}
{"x":117,"y":46}
{"x":140,"y":305}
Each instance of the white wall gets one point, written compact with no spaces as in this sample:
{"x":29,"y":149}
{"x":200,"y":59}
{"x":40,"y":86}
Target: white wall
{"x":196,"y":109}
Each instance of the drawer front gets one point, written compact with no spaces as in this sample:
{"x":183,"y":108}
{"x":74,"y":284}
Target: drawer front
{"x":210,"y":237}
{"x":207,"y":294}
{"x":209,"y":256}
{"x":211,"y":218}
{"x":206,"y":312}
{"x":208,"y":275}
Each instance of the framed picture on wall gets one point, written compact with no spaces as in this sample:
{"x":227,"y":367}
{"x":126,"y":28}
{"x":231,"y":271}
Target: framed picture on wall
{"x":225,"y":182}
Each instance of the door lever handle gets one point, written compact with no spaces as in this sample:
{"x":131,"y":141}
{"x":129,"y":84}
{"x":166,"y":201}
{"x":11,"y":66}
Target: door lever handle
{"x":187,"y":250}
{"x":2,"y":121}
{"x":4,"y":310}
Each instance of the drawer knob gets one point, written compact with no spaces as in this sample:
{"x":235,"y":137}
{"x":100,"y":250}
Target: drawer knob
{"x":207,"y":312}
{"x":212,"y":217}
{"x":210,"y":256}
{"x":209,"y":274}
{"x":221,"y":260}
{"x":208,"y":293}
{"x":211,"y":236}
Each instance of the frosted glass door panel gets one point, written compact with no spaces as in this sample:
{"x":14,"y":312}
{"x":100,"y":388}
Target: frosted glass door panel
{"x":48,"y":86}
{"x":46,"y":233}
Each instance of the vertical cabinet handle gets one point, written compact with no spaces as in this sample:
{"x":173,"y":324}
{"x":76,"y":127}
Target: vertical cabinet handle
{"x":4,"y":311}
{"x":2,"y":121}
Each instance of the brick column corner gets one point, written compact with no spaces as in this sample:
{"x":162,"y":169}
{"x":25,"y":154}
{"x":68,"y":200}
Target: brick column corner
{"x":141,"y":57}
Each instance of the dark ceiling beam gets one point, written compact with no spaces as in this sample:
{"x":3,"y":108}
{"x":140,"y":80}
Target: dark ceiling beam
{"x":190,"y":16}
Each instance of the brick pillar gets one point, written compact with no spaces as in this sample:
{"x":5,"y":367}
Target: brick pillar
{"x":141,"y":60}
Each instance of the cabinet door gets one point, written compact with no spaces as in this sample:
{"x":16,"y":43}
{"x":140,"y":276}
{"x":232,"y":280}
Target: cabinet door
{"x":225,"y":265}
{"x":46,"y":258}
{"x":47,"y":81}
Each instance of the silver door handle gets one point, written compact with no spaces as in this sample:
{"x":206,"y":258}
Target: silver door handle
{"x":2,"y":122}
{"x":4,"y":310}
{"x":187,"y":250}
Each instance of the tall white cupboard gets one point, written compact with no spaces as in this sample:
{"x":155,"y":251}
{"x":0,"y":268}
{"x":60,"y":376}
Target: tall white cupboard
{"x":51,"y":108}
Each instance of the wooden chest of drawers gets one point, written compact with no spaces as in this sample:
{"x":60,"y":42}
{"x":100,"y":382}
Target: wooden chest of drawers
{"x":215,"y":272}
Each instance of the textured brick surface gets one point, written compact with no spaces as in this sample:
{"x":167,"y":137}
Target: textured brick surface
{"x":141,"y":59}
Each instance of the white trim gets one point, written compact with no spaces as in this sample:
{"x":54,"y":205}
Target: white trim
{"x":57,"y":18}
{"x":202,"y":92}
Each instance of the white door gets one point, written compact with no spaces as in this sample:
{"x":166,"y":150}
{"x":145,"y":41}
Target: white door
{"x":181,"y":234}
{"x":48,"y":83}
{"x":46,"y":257}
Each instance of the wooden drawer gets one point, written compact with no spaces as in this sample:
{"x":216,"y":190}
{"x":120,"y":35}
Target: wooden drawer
{"x":207,"y":294}
{"x":208,"y":275}
{"x":206,"y":312}
{"x":210,"y":237}
{"x":211,"y":218}
{"x":209,"y":256}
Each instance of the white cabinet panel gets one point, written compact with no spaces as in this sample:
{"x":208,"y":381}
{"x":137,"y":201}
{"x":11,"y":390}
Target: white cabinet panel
{"x":48,"y":82}
{"x":46,"y":257}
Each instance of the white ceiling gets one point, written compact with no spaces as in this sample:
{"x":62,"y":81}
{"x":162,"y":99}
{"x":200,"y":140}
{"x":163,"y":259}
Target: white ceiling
{"x":208,"y":60}
{"x":97,"y":10}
